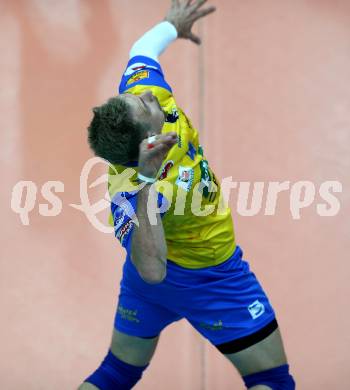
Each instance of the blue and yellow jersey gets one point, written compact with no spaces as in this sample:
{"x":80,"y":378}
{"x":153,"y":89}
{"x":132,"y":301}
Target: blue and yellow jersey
{"x":197,"y":222}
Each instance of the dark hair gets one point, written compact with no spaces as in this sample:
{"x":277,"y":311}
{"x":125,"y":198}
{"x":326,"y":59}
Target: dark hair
{"x":112,"y":134}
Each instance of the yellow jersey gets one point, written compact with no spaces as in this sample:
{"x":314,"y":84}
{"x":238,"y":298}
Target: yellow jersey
{"x":197,"y":222}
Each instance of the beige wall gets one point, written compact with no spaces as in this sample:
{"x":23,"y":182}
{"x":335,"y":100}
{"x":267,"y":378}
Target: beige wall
{"x":269,"y":89}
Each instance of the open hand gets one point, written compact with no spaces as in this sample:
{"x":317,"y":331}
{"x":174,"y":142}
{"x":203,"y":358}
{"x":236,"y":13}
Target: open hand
{"x":183,"y":14}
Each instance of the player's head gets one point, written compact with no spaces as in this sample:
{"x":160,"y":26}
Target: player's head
{"x":146,"y":110}
{"x":119,"y":126}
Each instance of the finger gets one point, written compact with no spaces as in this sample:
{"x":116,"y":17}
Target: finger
{"x":171,"y":134}
{"x":148,"y":142}
{"x":200,"y":14}
{"x":151,"y":139}
{"x":198,"y":4}
{"x":168,"y":141}
{"x":168,"y":138}
{"x":163,"y":137}
{"x":159,"y":149}
{"x":194,"y":38}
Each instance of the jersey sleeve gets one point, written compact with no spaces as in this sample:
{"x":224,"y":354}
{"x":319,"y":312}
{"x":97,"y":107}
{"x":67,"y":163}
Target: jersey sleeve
{"x":124,"y":209}
{"x":142,"y":70}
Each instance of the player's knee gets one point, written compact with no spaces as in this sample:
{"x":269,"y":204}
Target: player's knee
{"x":277,"y":378}
{"x":113,"y":373}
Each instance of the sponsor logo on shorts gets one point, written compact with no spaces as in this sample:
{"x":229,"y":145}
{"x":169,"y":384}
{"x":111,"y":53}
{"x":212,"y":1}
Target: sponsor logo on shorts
{"x":128,"y":314}
{"x":185,"y":178}
{"x":216,"y":326}
{"x":143,"y":74}
{"x":256,"y":309}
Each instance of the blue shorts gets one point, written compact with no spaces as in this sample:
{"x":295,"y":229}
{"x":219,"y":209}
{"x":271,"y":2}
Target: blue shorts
{"x":223,"y":302}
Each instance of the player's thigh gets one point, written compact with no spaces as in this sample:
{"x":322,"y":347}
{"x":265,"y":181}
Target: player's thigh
{"x":134,"y":350}
{"x":265,"y":354}
{"x":87,"y":386}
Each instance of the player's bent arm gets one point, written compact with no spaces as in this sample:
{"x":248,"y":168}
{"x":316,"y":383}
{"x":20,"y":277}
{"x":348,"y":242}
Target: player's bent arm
{"x":148,"y":245}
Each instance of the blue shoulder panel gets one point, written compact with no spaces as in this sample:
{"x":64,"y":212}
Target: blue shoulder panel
{"x":143,"y":70}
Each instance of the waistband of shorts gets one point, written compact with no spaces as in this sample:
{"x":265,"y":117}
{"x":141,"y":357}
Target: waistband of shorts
{"x":236,"y":255}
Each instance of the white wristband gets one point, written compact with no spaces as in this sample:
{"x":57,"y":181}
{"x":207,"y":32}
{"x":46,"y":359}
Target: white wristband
{"x":146,"y":179}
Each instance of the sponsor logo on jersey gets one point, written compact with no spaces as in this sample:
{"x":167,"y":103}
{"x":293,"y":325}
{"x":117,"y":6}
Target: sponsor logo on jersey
{"x":191,"y":151}
{"x":143,"y":74}
{"x":185,"y":178}
{"x":136,"y":67}
{"x":123,"y":232}
{"x":169,"y":164}
{"x":119,"y":217}
{"x":256,"y":309}
{"x":200,"y":150}
{"x":172,"y":116}
{"x":205,"y":177}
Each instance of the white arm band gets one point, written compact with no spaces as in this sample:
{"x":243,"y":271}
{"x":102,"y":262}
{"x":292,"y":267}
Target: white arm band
{"x":155,"y":41}
{"x":146,"y":179}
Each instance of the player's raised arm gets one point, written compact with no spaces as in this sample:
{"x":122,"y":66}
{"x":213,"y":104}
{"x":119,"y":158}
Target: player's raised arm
{"x":177,"y":24}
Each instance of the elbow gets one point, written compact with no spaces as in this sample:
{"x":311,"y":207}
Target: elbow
{"x":153,"y":272}
{"x":153,"y":277}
